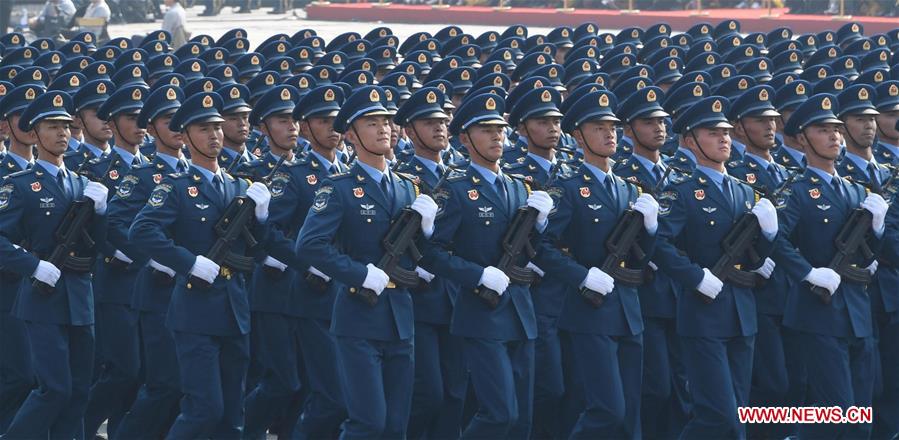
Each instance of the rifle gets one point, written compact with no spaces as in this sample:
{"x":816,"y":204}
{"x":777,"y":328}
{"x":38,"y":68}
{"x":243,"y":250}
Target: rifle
{"x":233,"y":225}
{"x":400,"y":238}
{"x":621,"y":244}
{"x":852,"y":240}
{"x":71,"y":231}
{"x":517,"y":242}
{"x":738,"y":243}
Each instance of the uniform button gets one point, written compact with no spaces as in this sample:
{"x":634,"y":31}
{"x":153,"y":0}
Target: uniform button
{"x":487,"y":222}
{"x":712,"y":222}
{"x":47,"y":213}
{"x":368,"y":220}
{"x":826,"y":220}
{"x":228,"y":277}
{"x":202,"y":219}
{"x":189,"y":285}
{"x":352,"y":290}
{"x":596,"y":220}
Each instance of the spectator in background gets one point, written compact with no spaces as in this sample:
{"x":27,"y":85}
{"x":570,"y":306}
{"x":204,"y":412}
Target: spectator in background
{"x":54,"y":17}
{"x":97,"y":9}
{"x":175,"y":21}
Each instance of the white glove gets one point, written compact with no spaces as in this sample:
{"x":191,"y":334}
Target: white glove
{"x":319,"y":274}
{"x":599,"y":281}
{"x":543,"y":203}
{"x":97,"y":192}
{"x":766,"y":214}
{"x":427,"y":207}
{"x":710,"y":285}
{"x":766,"y":269}
{"x":119,"y":255}
{"x":649,"y":207}
{"x":872,"y":268}
{"x":205,"y":269}
{"x":164,"y":269}
{"x":272,"y":262}
{"x":47,"y":273}
{"x":423,"y":274}
{"x":376,"y":279}
{"x":877,"y":206}
{"x":535,"y":268}
{"x":260,"y":194}
{"x":494,"y":279}
{"x":824,"y":277}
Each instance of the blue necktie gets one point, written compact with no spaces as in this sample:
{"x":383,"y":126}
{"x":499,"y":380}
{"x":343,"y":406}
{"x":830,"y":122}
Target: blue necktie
{"x":657,"y":172}
{"x":609,"y":187}
{"x":774,"y":174}
{"x":728,"y":195}
{"x":386,"y":189}
{"x":219,"y":186}
{"x":501,"y":191}
{"x":872,"y":173}
{"x":64,"y":183}
{"x":837,"y":185}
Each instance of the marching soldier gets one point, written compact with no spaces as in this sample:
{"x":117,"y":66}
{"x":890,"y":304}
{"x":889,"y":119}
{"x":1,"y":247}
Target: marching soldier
{"x":538,"y":119}
{"x":860,"y":127}
{"x":118,"y":344}
{"x":275,"y":349}
{"x":754,"y":118}
{"x":57,"y":306}
{"x":96,"y":131}
{"x":716,"y":318}
{"x":16,"y":371}
{"x":440,"y":377}
{"x":887,"y":103}
{"x":836,"y":333}
{"x":156,"y":404}
{"x":787,"y":99}
{"x":605,"y":338}
{"x":372,"y":317}
{"x":644,"y":123}
{"x":312,"y":293}
{"x":236,"y":131}
{"x":209,"y":311}
{"x":498,"y":332}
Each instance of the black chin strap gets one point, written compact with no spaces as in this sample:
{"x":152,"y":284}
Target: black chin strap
{"x":272,"y":139}
{"x":362,"y":144}
{"x":587,"y":144}
{"x":197,"y":146}
{"x":699,"y":146}
{"x":422,"y":140}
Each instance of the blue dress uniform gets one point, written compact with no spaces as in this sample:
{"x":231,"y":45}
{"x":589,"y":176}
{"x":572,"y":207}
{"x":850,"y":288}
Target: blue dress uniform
{"x":118,"y":343}
{"x":606,"y":341}
{"x":716,"y":337}
{"x":59,"y":324}
{"x":662,"y":384}
{"x":307,"y":305}
{"x":90,"y":96}
{"x":210,"y":325}
{"x":787,"y":98}
{"x":16,"y":371}
{"x":498,"y":346}
{"x":273,"y":338}
{"x":440,"y":376}
{"x":342,"y":232}
{"x":770,"y":378}
{"x":156,"y":404}
{"x":549,"y":294}
{"x":836,"y":338}
{"x":857,"y":100}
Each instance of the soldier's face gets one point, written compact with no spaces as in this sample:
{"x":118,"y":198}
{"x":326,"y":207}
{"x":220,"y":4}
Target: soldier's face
{"x":159,"y":129}
{"x":860,"y":129}
{"x":395,"y":132}
{"x":486,"y":140}
{"x":321,"y":131}
{"x":710,"y":143}
{"x":430,"y":132}
{"x":542,"y":132}
{"x":782,"y":120}
{"x":53,"y":136}
{"x":10,"y":127}
{"x":759,"y":131}
{"x":371,"y":133}
{"x":236,"y":127}
{"x":597,"y":138}
{"x":127,"y":128}
{"x":886,"y":124}
{"x":93,"y":127}
{"x":282,"y":130}
{"x":206,"y":137}
{"x":822,"y":140}
{"x":648,"y":132}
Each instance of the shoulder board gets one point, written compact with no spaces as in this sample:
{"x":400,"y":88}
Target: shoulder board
{"x":513,"y":165}
{"x":734,"y":163}
{"x":456,"y":175}
{"x":145,"y":165}
{"x":97,"y":160}
{"x":340,"y":176}
{"x":177,"y":175}
{"x":20,"y":173}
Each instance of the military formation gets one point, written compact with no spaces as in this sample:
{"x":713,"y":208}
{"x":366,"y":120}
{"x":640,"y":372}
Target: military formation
{"x":572,"y":235}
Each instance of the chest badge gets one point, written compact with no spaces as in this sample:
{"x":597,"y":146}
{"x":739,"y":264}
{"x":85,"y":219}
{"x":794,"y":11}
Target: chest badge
{"x":750,"y":177}
{"x":473,"y":194}
{"x":824,"y":207}
{"x":311,"y":179}
{"x":485,"y":211}
{"x":358,"y":192}
{"x":814,"y":193}
{"x":585,"y":192}
{"x":114,"y":174}
{"x":594,"y":207}
{"x":368,"y":210}
{"x":47,"y":202}
{"x":36,"y":186}
{"x":201,"y":206}
{"x":192,"y":191}
{"x":157,"y":178}
{"x":709,"y":209}
{"x":699,"y":194}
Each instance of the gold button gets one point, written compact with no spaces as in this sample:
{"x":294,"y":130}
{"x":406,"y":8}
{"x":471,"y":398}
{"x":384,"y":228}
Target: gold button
{"x":596,"y":220}
{"x":106,"y":259}
{"x":487,"y":222}
{"x":227,"y":277}
{"x":189,"y":286}
{"x":712,"y":222}
{"x":48,"y":213}
{"x":352,"y":290}
{"x":826,"y":220}
{"x":368,"y":220}
{"x":202,"y":219}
